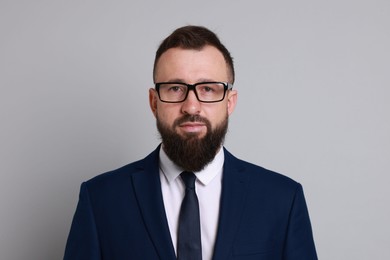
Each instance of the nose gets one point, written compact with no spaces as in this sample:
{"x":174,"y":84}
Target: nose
{"x":191,"y":105}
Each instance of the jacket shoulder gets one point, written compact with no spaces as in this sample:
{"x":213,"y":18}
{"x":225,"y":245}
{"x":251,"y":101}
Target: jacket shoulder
{"x":123,"y":174}
{"x":260,"y":175}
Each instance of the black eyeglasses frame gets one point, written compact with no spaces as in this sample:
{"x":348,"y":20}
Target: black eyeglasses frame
{"x":227,"y":86}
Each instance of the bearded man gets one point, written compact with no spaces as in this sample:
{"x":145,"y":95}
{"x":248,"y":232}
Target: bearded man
{"x":191,"y":199}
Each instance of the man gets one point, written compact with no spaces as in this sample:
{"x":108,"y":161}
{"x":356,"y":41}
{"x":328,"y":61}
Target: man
{"x":151,"y":209}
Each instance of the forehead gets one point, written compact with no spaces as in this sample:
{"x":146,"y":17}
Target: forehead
{"x":191,"y":65}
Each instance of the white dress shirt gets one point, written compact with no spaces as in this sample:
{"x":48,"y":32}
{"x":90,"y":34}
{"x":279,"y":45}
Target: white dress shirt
{"x":208,"y":189}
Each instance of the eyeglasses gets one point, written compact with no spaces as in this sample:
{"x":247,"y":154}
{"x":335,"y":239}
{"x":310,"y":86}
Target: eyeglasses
{"x":207,"y":92}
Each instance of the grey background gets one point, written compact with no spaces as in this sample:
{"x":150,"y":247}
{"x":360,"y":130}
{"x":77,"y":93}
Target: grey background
{"x":313,"y":80}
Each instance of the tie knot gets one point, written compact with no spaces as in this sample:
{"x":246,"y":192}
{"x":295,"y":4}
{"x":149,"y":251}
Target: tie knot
{"x":189,"y":179}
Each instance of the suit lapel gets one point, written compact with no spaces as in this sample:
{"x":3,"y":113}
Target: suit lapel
{"x":148,"y":192}
{"x":232,"y":202}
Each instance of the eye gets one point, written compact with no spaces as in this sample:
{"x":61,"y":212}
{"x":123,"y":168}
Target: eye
{"x":206,"y":88}
{"x":176,"y":88}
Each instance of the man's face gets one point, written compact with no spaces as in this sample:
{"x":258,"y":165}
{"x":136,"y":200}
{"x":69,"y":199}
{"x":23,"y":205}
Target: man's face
{"x":191,"y":120}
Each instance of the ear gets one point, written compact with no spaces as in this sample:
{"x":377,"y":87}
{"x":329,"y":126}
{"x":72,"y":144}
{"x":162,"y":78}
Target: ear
{"x":153,"y":101}
{"x":231,"y":101}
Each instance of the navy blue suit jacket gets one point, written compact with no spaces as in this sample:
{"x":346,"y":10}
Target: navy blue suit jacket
{"x":120,"y":215}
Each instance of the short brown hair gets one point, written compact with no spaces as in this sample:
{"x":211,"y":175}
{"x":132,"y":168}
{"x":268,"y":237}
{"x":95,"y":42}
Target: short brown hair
{"x":196,"y":38}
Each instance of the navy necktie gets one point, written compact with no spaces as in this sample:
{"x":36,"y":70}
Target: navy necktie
{"x":189,"y":242}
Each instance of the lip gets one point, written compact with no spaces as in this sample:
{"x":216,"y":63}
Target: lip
{"x":192,"y":127}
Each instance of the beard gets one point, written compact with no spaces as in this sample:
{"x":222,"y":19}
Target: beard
{"x":191,"y":152}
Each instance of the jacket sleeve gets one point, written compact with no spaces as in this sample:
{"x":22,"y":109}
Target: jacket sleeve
{"x":299,"y":243}
{"x":83,"y":242}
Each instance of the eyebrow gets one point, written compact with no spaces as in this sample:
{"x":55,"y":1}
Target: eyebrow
{"x":198,"y":81}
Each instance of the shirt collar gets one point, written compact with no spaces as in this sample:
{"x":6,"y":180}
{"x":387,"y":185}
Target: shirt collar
{"x":205,"y":176}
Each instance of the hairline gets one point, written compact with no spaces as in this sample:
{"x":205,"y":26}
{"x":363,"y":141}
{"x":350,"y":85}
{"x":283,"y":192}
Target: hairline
{"x":228,"y":67}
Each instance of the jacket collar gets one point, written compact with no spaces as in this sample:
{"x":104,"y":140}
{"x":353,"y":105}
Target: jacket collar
{"x":234,"y":183}
{"x":148,"y":192}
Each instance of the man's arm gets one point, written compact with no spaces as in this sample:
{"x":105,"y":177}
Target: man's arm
{"x":299,"y":243}
{"x":83,"y":240}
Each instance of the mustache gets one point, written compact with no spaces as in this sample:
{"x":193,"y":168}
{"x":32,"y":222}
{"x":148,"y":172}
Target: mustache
{"x":190,"y":118}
